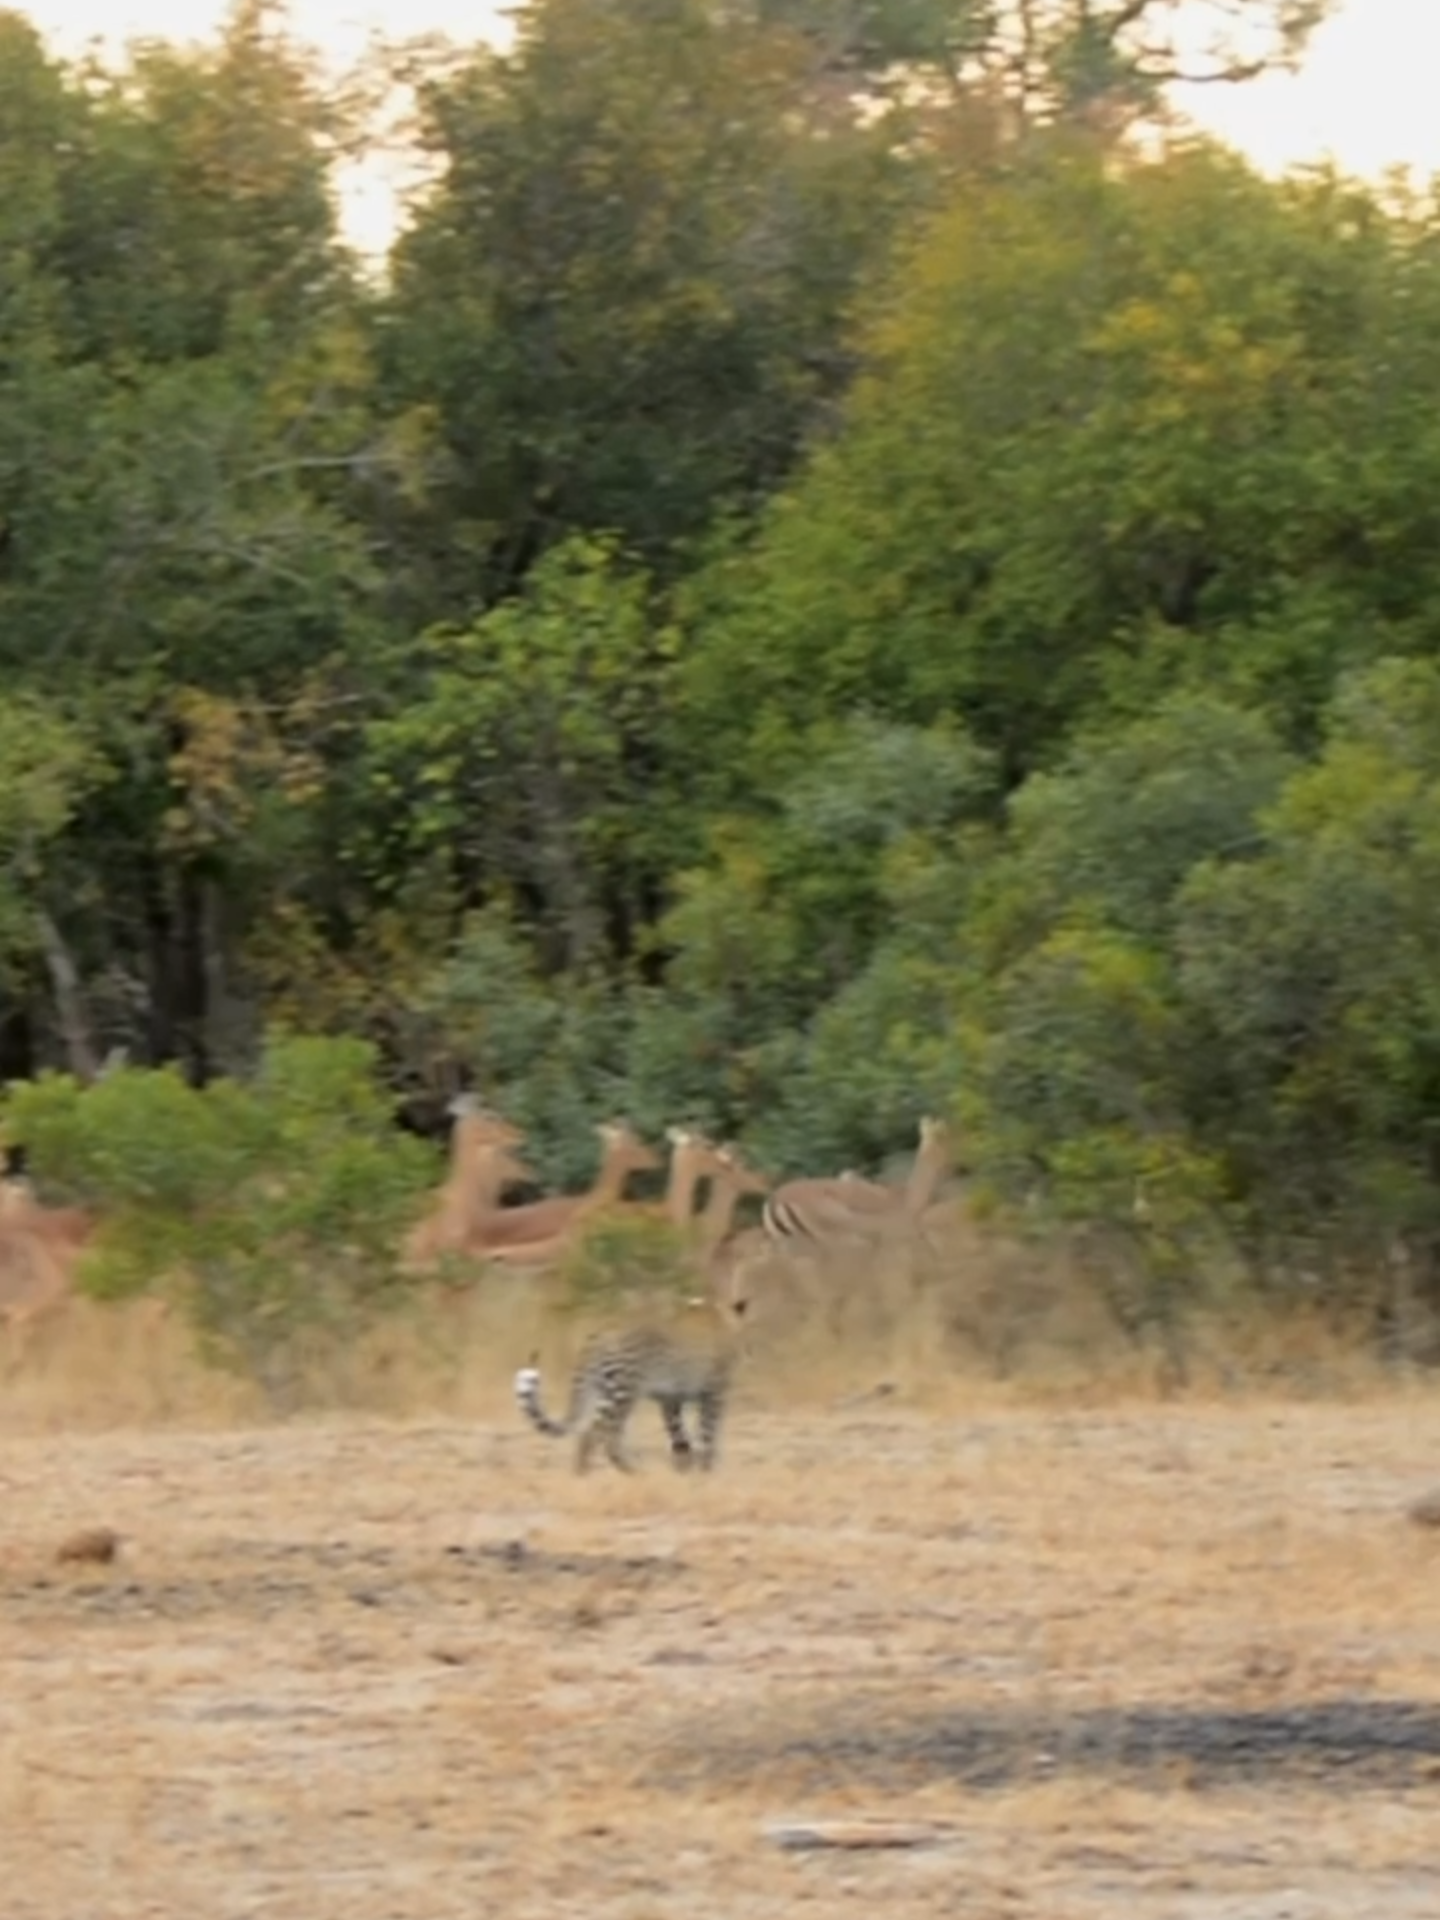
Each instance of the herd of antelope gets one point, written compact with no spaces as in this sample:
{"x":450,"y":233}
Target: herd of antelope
{"x":803,"y":1223}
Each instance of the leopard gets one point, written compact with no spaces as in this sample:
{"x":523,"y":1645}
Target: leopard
{"x":675,"y":1363}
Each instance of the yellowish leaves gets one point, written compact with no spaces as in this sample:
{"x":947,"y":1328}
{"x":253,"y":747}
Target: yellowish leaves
{"x":230,"y":757}
{"x":409,"y":446}
{"x":310,"y":987}
{"x":46,"y":764}
{"x":1190,"y":356}
{"x":333,"y":362}
{"x":1133,"y":325}
{"x":1109,"y":974}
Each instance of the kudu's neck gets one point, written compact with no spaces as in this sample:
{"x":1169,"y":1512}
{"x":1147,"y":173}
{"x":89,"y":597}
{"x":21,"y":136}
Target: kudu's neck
{"x":718,"y":1215}
{"x":925,"y":1176}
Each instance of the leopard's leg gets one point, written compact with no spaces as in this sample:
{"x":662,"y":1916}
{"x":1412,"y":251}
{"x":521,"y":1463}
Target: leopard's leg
{"x":712,"y":1414}
{"x":610,"y":1425}
{"x":672,"y":1412}
{"x":587,"y":1406}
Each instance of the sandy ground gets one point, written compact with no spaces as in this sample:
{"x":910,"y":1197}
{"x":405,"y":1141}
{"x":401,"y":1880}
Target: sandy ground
{"x":1175,"y":1662}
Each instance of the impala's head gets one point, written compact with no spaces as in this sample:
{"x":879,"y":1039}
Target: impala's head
{"x":730,"y":1164}
{"x":624,"y":1147}
{"x":478,"y":1126}
{"x":689,"y":1150}
{"x":934,"y":1136}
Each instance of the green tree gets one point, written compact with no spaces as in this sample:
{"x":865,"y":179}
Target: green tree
{"x":1118,"y":425}
{"x":1120,"y":824}
{"x":625,"y":299}
{"x":1086,"y":1061}
{"x":1309,"y":972}
{"x":197,"y":201}
{"x":779,"y":929}
{"x":529,"y":763}
{"x":1196,"y":999}
{"x":187,"y":460}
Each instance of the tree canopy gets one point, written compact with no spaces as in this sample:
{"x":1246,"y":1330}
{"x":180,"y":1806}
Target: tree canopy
{"x":825,"y":581}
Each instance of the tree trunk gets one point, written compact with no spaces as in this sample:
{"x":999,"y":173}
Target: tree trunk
{"x":175,"y":939}
{"x":74,"y":1016}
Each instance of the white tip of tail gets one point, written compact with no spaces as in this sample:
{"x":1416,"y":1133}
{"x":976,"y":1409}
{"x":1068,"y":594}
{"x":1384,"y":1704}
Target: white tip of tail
{"x":527,"y":1384}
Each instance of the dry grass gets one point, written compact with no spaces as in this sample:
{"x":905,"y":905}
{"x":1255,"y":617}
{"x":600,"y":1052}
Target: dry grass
{"x":1176,"y":1661}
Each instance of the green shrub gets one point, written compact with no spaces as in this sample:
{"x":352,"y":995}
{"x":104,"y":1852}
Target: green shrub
{"x":271,"y":1207}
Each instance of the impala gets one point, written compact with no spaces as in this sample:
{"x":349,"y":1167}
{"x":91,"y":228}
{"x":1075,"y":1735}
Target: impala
{"x":536,"y":1234}
{"x":39,"y":1249}
{"x":481,"y":1167}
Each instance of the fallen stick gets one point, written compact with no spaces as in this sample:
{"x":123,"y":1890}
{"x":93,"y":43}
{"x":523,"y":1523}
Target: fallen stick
{"x":801,"y":1836}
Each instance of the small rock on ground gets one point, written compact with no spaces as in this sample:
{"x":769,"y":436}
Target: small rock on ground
{"x":96,"y":1545}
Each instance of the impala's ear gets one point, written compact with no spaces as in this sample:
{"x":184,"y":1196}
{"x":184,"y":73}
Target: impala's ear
{"x":462,"y":1105}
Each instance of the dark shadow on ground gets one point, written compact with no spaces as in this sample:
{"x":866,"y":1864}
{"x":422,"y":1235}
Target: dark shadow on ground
{"x":1344,"y":1743}
{"x":270,"y":1579}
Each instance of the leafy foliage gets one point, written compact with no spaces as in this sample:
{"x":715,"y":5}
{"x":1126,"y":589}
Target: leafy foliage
{"x":273,"y":1206}
{"x":531,"y":756}
{"x":624,"y":299}
{"x":822,"y":584}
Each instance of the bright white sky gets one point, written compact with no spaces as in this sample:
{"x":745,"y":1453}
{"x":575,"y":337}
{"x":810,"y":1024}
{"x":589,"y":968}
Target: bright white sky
{"x":1367,"y":95}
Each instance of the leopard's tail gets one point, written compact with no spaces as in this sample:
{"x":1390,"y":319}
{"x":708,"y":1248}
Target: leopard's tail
{"x":527,"y":1394}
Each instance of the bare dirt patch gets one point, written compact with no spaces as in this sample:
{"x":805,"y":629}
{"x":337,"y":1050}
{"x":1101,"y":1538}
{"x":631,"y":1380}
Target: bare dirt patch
{"x":1179,"y":1662}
